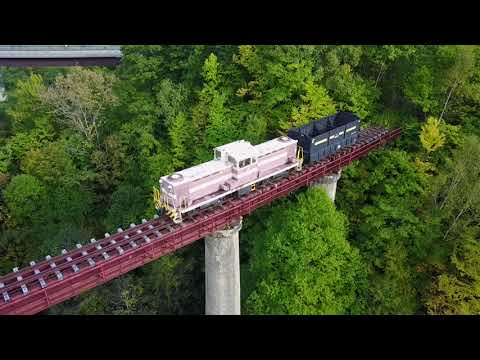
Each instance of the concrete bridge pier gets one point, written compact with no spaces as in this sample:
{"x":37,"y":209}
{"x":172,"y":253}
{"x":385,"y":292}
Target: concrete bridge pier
{"x":222,"y":271}
{"x":329,"y":183}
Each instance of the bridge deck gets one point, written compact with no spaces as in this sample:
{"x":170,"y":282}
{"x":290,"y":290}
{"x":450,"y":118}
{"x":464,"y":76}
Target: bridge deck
{"x":49,"y":282}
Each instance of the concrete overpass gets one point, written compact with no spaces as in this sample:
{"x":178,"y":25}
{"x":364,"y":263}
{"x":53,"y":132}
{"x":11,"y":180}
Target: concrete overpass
{"x":59,"y":55}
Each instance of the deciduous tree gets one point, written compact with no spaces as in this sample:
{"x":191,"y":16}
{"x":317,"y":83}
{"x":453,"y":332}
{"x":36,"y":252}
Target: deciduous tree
{"x":79,"y":100}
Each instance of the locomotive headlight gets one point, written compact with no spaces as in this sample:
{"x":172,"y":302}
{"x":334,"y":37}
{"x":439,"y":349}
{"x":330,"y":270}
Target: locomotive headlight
{"x":167,"y":188}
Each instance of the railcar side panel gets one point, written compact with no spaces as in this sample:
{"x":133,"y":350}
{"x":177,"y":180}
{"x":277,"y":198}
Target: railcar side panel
{"x":208,"y":184}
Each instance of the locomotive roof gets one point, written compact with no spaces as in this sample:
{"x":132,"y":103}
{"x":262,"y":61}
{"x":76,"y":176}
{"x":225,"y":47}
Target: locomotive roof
{"x":239,"y":150}
{"x":273,"y":145}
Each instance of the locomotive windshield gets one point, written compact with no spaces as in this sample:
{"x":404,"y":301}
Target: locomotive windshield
{"x":218,"y":155}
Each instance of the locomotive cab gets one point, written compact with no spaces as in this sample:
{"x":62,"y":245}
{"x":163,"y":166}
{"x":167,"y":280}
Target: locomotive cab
{"x":238,"y":154}
{"x":242,"y":157}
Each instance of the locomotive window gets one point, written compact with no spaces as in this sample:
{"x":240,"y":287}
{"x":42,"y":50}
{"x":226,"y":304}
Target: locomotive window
{"x":218,"y":154}
{"x":244,"y":163}
{"x":232,"y":160}
{"x":253,"y":160}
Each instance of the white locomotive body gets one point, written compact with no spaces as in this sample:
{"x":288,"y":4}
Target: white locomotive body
{"x":237,"y":167}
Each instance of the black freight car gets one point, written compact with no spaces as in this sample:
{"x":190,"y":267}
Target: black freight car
{"x":321,"y":138}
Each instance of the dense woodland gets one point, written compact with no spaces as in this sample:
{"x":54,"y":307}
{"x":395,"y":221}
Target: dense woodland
{"x":81,"y":149}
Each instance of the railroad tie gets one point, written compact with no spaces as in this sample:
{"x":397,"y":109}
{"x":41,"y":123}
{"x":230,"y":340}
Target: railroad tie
{"x":53,"y":266}
{"x":6,"y":297}
{"x":36,"y":271}
{"x":59,"y":275}
{"x":24,"y":289}
{"x":74,"y":266}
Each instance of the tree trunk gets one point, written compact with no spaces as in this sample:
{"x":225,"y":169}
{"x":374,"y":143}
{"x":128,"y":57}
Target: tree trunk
{"x":379,"y":76}
{"x":455,"y":221}
{"x":446,"y":102}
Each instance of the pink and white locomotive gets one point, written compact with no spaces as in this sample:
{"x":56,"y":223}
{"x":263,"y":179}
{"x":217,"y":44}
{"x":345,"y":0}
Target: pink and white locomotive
{"x":236,"y":168}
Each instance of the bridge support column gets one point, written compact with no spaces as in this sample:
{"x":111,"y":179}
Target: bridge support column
{"x":329,"y":183}
{"x":222,"y":271}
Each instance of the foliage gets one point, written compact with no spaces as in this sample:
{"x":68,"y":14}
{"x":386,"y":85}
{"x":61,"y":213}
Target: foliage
{"x":210,"y":117}
{"x":303,"y":264}
{"x":180,"y":139}
{"x":128,"y":205}
{"x":387,"y":189}
{"x":52,"y":165}
{"x":458,"y":191}
{"x":431,"y":137}
{"x":457,"y":291}
{"x":24,"y":196}
{"x":79,"y":100}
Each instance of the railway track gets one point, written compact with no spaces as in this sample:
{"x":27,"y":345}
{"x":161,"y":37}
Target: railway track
{"x":41,"y":285}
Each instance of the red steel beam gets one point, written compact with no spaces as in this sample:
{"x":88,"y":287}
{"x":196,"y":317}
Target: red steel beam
{"x":140,"y":244}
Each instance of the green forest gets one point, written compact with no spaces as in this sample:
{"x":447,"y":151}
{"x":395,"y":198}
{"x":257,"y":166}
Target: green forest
{"x":82,"y":147}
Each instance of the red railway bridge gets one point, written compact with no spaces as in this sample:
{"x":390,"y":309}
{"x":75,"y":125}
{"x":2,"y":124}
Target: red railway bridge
{"x":41,"y":285}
